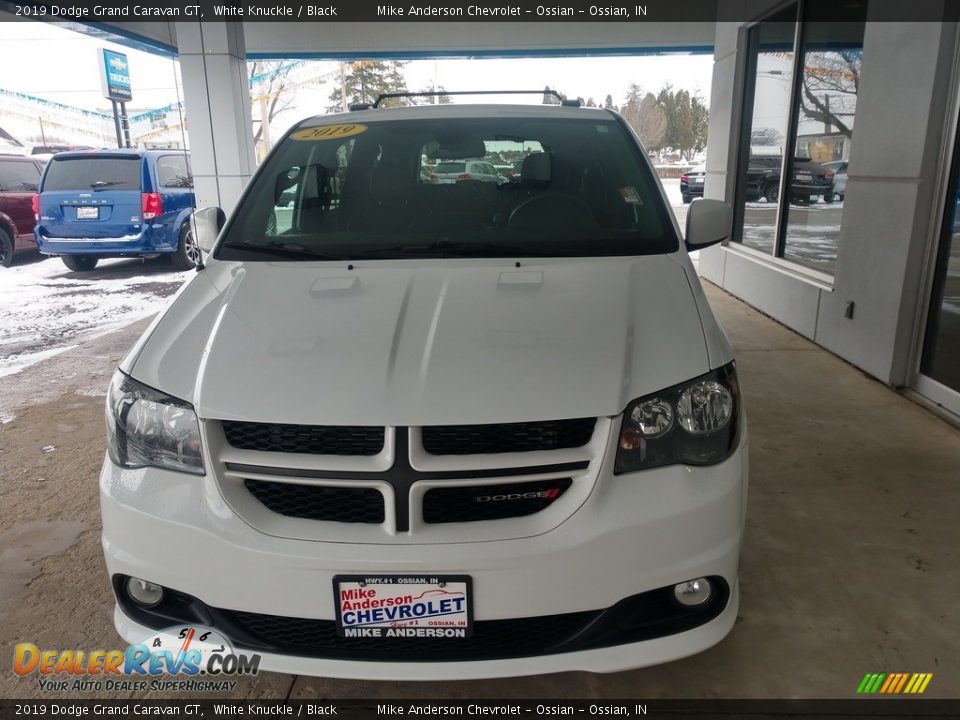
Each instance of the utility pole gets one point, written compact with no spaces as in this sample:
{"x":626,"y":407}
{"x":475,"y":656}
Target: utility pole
{"x":116,"y":123}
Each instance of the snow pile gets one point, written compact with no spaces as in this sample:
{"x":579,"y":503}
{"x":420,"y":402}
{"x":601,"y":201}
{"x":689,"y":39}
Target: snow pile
{"x":48,"y":309}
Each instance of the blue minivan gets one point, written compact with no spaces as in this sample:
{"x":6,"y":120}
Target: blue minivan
{"x":117,"y":203}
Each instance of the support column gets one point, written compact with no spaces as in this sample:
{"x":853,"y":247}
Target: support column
{"x":217,"y":101}
{"x":721,"y":149}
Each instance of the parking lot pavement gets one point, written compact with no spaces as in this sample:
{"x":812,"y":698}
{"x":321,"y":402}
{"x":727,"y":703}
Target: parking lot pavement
{"x":47,"y":308}
{"x":848,"y":564}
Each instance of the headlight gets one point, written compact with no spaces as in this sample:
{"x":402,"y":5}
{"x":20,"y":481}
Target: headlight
{"x":148,"y":427}
{"x":693,"y":423}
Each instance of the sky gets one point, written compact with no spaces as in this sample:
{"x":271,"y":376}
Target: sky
{"x":65,"y":70}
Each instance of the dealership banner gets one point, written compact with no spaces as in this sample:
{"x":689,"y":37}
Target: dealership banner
{"x":57,"y":708}
{"x":629,"y":11}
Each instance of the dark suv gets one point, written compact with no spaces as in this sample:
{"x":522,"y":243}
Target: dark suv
{"x":19,"y":177}
{"x":809,"y":179}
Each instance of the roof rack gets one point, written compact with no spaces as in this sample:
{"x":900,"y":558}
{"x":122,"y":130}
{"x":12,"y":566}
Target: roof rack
{"x":433,"y":93}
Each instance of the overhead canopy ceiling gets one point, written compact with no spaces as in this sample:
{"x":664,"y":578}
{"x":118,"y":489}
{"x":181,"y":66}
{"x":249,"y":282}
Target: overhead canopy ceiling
{"x":266,"y":40}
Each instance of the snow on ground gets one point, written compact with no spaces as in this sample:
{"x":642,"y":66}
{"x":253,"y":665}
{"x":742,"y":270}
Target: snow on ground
{"x":48,"y":309}
{"x":672,"y":186}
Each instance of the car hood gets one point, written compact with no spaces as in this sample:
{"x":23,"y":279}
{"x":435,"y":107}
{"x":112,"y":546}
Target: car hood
{"x":413,"y":342}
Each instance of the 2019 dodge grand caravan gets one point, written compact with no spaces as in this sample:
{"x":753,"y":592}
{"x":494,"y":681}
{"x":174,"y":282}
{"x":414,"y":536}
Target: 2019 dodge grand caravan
{"x":399,"y":429}
{"x":117,"y":203}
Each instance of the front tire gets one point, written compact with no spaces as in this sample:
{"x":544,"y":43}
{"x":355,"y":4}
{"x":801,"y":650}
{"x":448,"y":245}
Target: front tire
{"x":7,"y":253}
{"x":188,"y":254}
{"x":687,"y":199}
{"x":80,"y":263}
{"x":772,"y":192}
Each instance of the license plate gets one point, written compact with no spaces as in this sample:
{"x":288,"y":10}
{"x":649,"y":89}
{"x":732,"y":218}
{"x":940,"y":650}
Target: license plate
{"x":804,"y":177}
{"x":88,"y":213}
{"x":397,"y":606}
{"x":698,"y":180}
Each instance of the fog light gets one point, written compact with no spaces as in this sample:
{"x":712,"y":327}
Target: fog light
{"x":693,"y":592}
{"x":143,"y":593}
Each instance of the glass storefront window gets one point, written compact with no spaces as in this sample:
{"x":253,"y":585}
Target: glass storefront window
{"x":797,"y":214}
{"x":771,"y":43}
{"x":826,"y":105}
{"x":941,"y":350}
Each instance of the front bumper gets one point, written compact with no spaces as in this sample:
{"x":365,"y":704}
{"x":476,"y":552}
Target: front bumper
{"x":634,"y":534}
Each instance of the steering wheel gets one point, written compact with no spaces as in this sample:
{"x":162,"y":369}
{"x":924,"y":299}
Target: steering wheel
{"x":550,"y":209}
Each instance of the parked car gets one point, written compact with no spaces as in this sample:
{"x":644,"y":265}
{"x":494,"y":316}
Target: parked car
{"x":19,"y":178}
{"x":454,"y":171}
{"x":436,"y":431}
{"x":691,"y":183}
{"x":809,"y":180}
{"x":117,"y":203}
{"x":839,"y":168}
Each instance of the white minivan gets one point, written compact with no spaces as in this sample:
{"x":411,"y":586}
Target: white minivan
{"x":405,"y":430}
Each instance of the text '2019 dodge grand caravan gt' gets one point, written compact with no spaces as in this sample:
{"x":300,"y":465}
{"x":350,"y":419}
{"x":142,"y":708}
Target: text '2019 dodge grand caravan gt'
{"x":403,"y":429}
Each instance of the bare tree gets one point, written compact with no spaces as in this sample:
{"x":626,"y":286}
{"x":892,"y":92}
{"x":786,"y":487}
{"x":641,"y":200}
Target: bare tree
{"x":831,"y":81}
{"x":270,"y":81}
{"x":766,"y":136}
{"x":645,"y":116}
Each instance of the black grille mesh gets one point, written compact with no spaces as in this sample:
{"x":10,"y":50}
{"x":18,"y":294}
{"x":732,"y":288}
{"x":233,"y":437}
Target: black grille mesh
{"x":490,"y":639}
{"x":490,"y":502}
{"x":305,"y":439}
{"x":317,"y":502}
{"x":507,"y":437}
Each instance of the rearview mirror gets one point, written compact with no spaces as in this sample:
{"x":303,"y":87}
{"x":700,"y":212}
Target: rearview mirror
{"x":285,"y":181}
{"x":708,"y":222}
{"x":207,"y":223}
{"x":455,"y":148}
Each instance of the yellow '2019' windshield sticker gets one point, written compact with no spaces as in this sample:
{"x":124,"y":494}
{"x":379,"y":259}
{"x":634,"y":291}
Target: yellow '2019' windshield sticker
{"x":329,"y":132}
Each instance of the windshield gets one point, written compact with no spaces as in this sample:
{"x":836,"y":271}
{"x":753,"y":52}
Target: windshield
{"x":86,"y":173}
{"x":477,"y":187}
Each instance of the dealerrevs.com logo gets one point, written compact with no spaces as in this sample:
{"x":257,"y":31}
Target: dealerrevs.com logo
{"x":184,"y":658}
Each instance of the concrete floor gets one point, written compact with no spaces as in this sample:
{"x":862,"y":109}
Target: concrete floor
{"x":849,"y":564}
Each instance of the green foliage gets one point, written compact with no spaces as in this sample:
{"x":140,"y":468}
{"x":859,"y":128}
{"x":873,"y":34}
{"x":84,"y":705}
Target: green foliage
{"x":687,"y":121}
{"x":549,"y":98}
{"x":365,"y":80}
{"x":645,"y":116}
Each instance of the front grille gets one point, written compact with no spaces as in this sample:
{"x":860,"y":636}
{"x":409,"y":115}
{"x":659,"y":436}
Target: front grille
{"x":319,"y":502}
{"x":507,"y":437}
{"x":490,"y":502}
{"x":304,"y":439}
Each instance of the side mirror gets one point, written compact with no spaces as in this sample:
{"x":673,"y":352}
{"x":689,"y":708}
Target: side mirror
{"x":708,"y":222}
{"x":207,"y":223}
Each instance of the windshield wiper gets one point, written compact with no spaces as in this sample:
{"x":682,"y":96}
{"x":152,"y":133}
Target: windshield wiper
{"x":281,"y":250}
{"x":105,"y":183}
{"x":445,"y":248}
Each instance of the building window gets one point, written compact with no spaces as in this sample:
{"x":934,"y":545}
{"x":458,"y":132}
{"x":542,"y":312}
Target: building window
{"x":807,"y":101}
{"x":941,"y":349}
{"x":771,"y":61}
